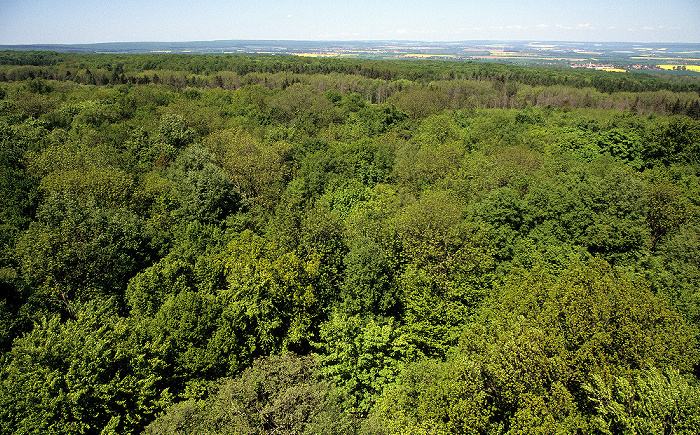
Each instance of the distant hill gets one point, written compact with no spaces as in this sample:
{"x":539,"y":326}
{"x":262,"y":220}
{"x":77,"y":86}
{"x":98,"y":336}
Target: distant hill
{"x":612,"y":56}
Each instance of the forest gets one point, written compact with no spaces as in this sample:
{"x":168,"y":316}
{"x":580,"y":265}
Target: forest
{"x":219,"y":244}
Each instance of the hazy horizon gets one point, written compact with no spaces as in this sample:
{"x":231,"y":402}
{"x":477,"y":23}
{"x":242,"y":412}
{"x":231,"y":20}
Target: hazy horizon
{"x":92,"y":22}
{"x":403,"y":41}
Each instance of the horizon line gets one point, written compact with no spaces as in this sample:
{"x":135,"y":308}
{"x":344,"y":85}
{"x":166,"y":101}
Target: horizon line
{"x":441,"y":41}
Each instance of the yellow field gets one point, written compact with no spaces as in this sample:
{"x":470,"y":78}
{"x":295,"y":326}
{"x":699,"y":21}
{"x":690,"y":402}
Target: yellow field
{"x":695,"y":68}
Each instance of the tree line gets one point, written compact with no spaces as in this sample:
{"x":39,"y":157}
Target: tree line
{"x":206,"y":71}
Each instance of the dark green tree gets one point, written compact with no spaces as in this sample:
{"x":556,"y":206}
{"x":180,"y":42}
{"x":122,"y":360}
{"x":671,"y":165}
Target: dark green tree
{"x":77,"y":251}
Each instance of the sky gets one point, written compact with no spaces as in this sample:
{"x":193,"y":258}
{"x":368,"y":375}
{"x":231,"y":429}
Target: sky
{"x":92,"y":21}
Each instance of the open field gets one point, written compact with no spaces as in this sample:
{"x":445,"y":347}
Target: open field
{"x":615,"y":56}
{"x":695,"y":68}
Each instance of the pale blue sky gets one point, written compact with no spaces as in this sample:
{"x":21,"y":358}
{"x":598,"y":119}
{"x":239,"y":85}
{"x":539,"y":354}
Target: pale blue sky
{"x":87,"y":21}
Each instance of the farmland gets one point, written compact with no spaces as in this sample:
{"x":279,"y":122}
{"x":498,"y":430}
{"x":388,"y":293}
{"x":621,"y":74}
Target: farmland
{"x":694,"y":68}
{"x":647,"y":57}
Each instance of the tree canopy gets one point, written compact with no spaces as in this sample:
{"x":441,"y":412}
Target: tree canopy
{"x":231,"y":244}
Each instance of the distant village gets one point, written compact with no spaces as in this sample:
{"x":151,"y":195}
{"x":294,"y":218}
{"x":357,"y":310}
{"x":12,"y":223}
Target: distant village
{"x":609,"y":67}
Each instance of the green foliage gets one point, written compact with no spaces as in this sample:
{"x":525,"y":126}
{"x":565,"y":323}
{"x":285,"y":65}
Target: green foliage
{"x":675,"y":269}
{"x":362,"y":356}
{"x":602,"y":208}
{"x":180,"y":330}
{"x":257,"y":170}
{"x":672,"y":141}
{"x":18,"y":186}
{"x":653,"y":402}
{"x":173,"y":134}
{"x":152,"y":286}
{"x":38,"y":86}
{"x":105,"y":186}
{"x":547,"y":331}
{"x":192,"y":264}
{"x":368,"y":286}
{"x":434,"y":234}
{"x":667,"y":210}
{"x":435,"y":397}
{"x":78,"y":251}
{"x":270,"y":303}
{"x":621,"y":144}
{"x":434,"y":153}
{"x":84,"y":375}
{"x":540,"y":359}
{"x":612,"y":322}
{"x":204,"y":190}
{"x":277,"y":394}
{"x":449,"y":269}
{"x":13,"y":319}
